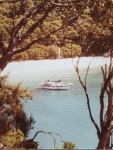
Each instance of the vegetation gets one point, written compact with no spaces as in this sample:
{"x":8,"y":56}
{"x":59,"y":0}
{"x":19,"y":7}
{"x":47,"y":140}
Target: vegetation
{"x":13,"y":139}
{"x":69,"y":146}
{"x":14,"y":123}
{"x":48,"y":52}
{"x":37,"y":25}
{"x":33,"y":29}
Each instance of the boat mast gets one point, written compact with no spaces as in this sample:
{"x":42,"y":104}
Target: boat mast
{"x":59,"y":51}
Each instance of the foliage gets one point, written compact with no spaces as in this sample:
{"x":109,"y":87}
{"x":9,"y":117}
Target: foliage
{"x":16,"y":139}
{"x":24,"y":123}
{"x":11,"y":108}
{"x":70,"y":50}
{"x":68,"y":146}
{"x":49,"y":52}
{"x":13,"y":139}
{"x":33,"y":26}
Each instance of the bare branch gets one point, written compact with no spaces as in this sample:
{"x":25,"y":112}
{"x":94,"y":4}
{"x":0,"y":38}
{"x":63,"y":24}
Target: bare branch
{"x":87,"y":71}
{"x":103,"y":90}
{"x":50,"y":133}
{"x":110,"y":66}
{"x":87,"y":96}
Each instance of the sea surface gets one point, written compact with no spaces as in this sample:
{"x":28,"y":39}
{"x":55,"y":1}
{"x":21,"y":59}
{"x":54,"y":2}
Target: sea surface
{"x":62,"y":112}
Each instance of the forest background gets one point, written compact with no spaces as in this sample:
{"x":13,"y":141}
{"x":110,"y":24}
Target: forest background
{"x":95,"y":25}
{"x":32,"y":30}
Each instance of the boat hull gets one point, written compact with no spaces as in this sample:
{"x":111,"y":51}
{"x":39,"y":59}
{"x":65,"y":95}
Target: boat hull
{"x":56,"y":87}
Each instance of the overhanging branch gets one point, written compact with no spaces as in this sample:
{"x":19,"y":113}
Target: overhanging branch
{"x":39,"y":39}
{"x":46,"y":36}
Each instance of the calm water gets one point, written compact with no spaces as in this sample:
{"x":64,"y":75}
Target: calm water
{"x":63,"y":112}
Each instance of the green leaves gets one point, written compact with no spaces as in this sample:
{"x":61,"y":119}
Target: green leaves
{"x":69,"y":146}
{"x":28,"y":23}
{"x":12,"y":115}
{"x":13,"y":139}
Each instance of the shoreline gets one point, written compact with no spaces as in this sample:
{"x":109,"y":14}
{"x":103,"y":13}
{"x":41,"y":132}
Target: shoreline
{"x":54,"y":64}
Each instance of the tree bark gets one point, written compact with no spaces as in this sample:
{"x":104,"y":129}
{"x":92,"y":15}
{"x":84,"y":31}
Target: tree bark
{"x":4,"y":61}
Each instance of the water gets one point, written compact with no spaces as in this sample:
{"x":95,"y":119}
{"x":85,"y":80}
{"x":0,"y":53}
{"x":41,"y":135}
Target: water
{"x":63,"y":112}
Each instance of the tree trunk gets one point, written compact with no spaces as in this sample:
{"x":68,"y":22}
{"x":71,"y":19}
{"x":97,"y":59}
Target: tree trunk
{"x":4,"y":61}
{"x":103,"y":143}
{"x":104,"y":139}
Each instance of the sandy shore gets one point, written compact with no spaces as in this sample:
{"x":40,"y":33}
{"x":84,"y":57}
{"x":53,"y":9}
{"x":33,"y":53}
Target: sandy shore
{"x":41,"y":65}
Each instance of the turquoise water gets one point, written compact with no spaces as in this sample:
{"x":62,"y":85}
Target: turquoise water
{"x":63,"y":112}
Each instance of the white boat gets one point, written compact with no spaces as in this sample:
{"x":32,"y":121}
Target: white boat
{"x":56,"y":85}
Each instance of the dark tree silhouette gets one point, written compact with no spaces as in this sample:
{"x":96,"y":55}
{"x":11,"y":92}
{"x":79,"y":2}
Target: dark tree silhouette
{"x":105,"y":129}
{"x":26,"y":17}
{"x":18,"y":31}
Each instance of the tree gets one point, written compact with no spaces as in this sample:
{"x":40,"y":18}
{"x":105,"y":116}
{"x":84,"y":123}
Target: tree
{"x":12,"y":115}
{"x":105,"y":129}
{"x":24,"y":23}
{"x":94,"y":36}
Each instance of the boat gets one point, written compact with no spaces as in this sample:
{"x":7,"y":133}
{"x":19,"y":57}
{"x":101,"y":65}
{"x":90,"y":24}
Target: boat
{"x":56,"y":85}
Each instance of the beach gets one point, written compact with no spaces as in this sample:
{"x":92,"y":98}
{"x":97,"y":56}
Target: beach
{"x":62,"y":64}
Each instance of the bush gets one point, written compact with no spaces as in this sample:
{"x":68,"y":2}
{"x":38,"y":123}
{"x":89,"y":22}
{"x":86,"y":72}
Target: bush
{"x":68,"y":146}
{"x":13,"y":139}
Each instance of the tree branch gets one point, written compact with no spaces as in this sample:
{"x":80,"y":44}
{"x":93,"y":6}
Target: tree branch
{"x":87,"y":72}
{"x":50,"y":133}
{"x":89,"y":36}
{"x":33,"y":27}
{"x":87,"y":96}
{"x":46,"y":36}
{"x":37,"y":40}
{"x":103,"y":90}
{"x":27,"y":16}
